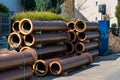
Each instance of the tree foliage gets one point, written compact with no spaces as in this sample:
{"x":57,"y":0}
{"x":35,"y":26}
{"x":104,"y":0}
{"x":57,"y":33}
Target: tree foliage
{"x":117,"y":13}
{"x":42,"y":5}
{"x":3,"y":9}
{"x":28,"y":5}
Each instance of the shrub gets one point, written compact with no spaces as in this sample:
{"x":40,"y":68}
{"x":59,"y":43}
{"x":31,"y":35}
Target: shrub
{"x":35,"y":15}
{"x":3,"y":9}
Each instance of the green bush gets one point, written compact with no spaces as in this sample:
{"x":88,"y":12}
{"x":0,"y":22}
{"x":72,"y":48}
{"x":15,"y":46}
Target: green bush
{"x":3,"y":9}
{"x":113,"y":25}
{"x":35,"y":15}
{"x":117,"y":13}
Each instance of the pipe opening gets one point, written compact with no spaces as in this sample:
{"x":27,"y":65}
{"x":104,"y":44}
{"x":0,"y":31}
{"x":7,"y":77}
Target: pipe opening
{"x":71,"y":25}
{"x":55,"y":68}
{"x":69,"y":47}
{"x":15,"y":40}
{"x":81,"y":36}
{"x":16,"y":27}
{"x":72,"y":36}
{"x":79,"y":47}
{"x":26,"y":26}
{"x":40,"y":68}
{"x":80,"y":25}
{"x":29,"y":40}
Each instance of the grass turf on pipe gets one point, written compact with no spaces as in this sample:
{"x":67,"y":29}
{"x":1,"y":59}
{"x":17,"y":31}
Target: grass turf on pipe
{"x":15,"y":40}
{"x":81,"y":47}
{"x":41,"y":67}
{"x":81,"y":26}
{"x":12,"y":60}
{"x":72,"y":36}
{"x":28,"y":26}
{"x":17,"y":74}
{"x":82,"y":36}
{"x":70,"y":25}
{"x":15,"y":26}
{"x":32,"y":40}
{"x":59,"y":66}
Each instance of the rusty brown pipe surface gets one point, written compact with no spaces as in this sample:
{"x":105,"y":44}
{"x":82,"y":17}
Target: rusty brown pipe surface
{"x":11,"y":60}
{"x":48,"y":50}
{"x":28,"y":26}
{"x":15,"y":40}
{"x":31,"y":40}
{"x":15,"y":26}
{"x":70,"y":25}
{"x":81,"y":47}
{"x":17,"y":74}
{"x":94,"y":53}
{"x":81,"y":26}
{"x":82,"y":36}
{"x":70,"y":47}
{"x":41,"y":67}
{"x":59,"y":66}
{"x":72,"y":36}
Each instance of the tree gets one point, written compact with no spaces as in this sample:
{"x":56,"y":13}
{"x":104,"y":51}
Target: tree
{"x":49,"y":5}
{"x":117,"y":13}
{"x":28,"y":5}
{"x":3,"y":9}
{"x":42,"y":5}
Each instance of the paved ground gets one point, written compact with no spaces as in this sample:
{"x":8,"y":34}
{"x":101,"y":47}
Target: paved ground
{"x":103,"y":68}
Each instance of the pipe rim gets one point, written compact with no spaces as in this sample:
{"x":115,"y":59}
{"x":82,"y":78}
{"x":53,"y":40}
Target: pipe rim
{"x":83,"y":47}
{"x":69,"y":27}
{"x":15,"y":23}
{"x":28,"y":43}
{"x":45,"y":67}
{"x":60,"y":68}
{"x":11,"y":43}
{"x":79,"y":38}
{"x":83,"y":28}
{"x":24,"y":48}
{"x":69,"y":33}
{"x":22,"y":22}
{"x":33,"y":53}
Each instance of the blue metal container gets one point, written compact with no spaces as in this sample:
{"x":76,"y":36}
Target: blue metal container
{"x":104,"y":27}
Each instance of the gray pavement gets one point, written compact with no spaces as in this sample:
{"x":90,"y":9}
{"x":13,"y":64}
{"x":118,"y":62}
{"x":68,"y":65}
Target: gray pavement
{"x":103,"y":68}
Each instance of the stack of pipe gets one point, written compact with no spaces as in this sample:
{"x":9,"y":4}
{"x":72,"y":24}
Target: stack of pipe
{"x":15,"y":66}
{"x":49,"y":47}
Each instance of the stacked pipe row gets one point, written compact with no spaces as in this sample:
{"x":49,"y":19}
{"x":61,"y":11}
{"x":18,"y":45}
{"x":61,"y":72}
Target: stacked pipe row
{"x":85,"y":37}
{"x":16,"y":65}
{"x":51,"y":47}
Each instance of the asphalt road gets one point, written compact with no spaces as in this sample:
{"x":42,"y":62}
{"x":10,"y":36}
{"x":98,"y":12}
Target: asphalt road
{"x":103,"y":68}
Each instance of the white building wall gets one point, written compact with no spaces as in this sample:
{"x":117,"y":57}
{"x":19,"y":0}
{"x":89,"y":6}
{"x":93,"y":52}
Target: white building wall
{"x":89,"y":8}
{"x":13,"y":5}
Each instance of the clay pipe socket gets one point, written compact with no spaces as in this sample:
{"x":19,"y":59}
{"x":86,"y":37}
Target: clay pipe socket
{"x":81,"y":47}
{"x":62,"y":65}
{"x":72,"y":36}
{"x":15,"y":26}
{"x":82,"y":36}
{"x":28,"y":26}
{"x":70,"y":26}
{"x":17,"y":74}
{"x":70,"y":47}
{"x":81,"y":26}
{"x":12,"y":60}
{"x":31,"y":40}
{"x":15,"y":40}
{"x":41,"y":67}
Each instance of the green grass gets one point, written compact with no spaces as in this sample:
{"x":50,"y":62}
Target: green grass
{"x":35,"y":15}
